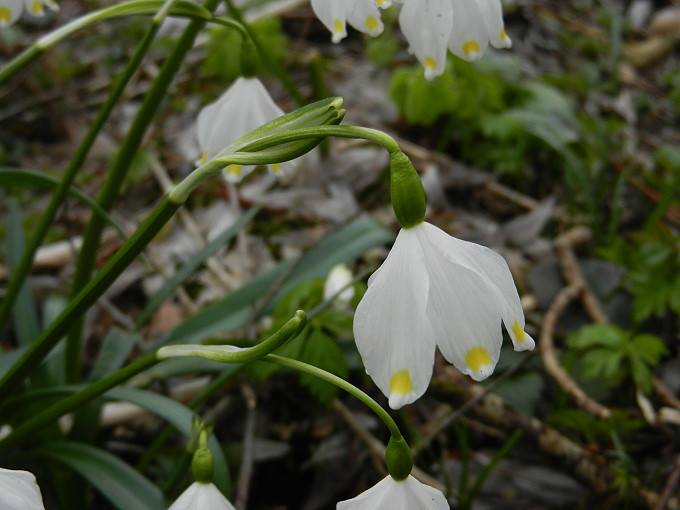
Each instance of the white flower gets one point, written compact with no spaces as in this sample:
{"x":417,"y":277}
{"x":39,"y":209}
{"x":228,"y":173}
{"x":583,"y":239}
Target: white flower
{"x":361,"y":14}
{"x":390,"y":494}
{"x":434,"y":290}
{"x":339,"y":277}
{"x":19,"y":491}
{"x":11,"y":10}
{"x":244,"y":106}
{"x":202,"y":496}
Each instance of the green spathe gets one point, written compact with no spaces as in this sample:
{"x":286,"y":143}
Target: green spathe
{"x":406,"y":191}
{"x":399,"y":458}
{"x":202,"y":465}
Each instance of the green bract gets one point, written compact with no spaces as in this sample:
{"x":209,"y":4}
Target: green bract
{"x":406,"y":191}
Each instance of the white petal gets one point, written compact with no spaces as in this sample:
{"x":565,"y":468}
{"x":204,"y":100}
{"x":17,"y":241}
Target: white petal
{"x":493,"y":267}
{"x":34,"y":8}
{"x":202,"y":496}
{"x":244,"y":106}
{"x":391,"y":328}
{"x":426,"y":24}
{"x":492,"y":11}
{"x":10,"y":11}
{"x":333,"y":14}
{"x":389,"y":494}
{"x":464,"y":306}
{"x":365,"y":17}
{"x":469,"y":37}
{"x":338,"y":278}
{"x":19,"y":491}
{"x":383,"y":4}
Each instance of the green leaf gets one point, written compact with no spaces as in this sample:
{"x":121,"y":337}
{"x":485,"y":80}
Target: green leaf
{"x":413,"y":95}
{"x":193,"y":263}
{"x":180,"y":417}
{"x":234,"y":311}
{"x":33,"y":179}
{"x":24,"y":311}
{"x":603,"y":363}
{"x":116,"y":347}
{"x":604,"y":335}
{"x":649,"y":349}
{"x":124,"y":487}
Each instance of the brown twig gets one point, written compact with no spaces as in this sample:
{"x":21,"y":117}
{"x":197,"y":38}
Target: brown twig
{"x":576,"y":288}
{"x":670,"y":486}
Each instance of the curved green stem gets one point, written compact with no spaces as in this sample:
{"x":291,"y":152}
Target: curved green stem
{"x":75,"y":164}
{"x":233,"y":354}
{"x":76,"y":400}
{"x":88,"y":295}
{"x":340,"y":383}
{"x":117,"y":175}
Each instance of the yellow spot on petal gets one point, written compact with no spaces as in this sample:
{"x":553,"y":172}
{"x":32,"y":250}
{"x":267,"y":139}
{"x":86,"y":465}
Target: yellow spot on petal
{"x":276,"y":168}
{"x":5,"y":15}
{"x":518,"y":331}
{"x":430,"y":63}
{"x":401,"y":383}
{"x":504,"y":35}
{"x":477,"y":357}
{"x":37,"y":7}
{"x":471,"y":48}
{"x":203,"y":158}
{"x":339,"y":26}
{"x":372,"y":23}
{"x":380,"y":2}
{"x":235,"y":170}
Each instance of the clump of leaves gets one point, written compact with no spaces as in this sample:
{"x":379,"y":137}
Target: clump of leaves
{"x":609,"y":354}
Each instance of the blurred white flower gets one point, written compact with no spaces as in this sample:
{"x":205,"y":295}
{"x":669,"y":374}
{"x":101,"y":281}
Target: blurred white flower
{"x":434,"y":290}
{"x":390,"y":494}
{"x":202,"y":496}
{"x":361,"y":14}
{"x":244,"y":106}
{"x":19,"y":491}
{"x":11,"y":10}
{"x":466,"y":27}
{"x":339,"y":277}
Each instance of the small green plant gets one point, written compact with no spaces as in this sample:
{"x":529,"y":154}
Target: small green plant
{"x":609,"y":354}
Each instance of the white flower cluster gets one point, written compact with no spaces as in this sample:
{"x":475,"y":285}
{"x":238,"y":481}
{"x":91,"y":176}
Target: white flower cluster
{"x":11,"y":10}
{"x":465,"y":27}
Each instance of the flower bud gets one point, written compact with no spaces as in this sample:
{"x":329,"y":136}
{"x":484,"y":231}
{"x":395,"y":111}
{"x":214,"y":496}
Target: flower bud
{"x":202,"y":462}
{"x":406,"y":191}
{"x":399,"y":458}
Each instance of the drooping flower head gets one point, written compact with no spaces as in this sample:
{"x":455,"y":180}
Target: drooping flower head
{"x":390,"y":494}
{"x":361,"y":14}
{"x":244,"y":106}
{"x":19,"y":491}
{"x":465,"y":27}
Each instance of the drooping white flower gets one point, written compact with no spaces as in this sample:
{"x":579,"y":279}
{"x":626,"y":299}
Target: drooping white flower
{"x":338,"y":278}
{"x":434,"y":290}
{"x":390,"y":494}
{"x":11,"y":10}
{"x":426,"y":25}
{"x":202,"y":496}
{"x":361,"y":14}
{"x":19,"y":491}
{"x":244,"y":106}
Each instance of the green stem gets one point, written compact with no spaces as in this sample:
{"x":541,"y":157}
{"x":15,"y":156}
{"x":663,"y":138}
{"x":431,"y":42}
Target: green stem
{"x":272,"y":64}
{"x":340,"y":383}
{"x":115,"y":178}
{"x":51,"y":414}
{"x":75,"y":164}
{"x":88,"y":295}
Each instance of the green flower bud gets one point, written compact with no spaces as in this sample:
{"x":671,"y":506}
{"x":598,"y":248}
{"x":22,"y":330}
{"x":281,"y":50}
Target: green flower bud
{"x":406,"y":191}
{"x":398,"y":458}
{"x":202,"y":465}
{"x":249,"y":58}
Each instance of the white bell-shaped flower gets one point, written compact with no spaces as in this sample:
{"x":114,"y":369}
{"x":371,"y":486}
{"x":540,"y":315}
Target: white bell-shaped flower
{"x":10,"y":11}
{"x":434,"y":290}
{"x":19,"y":491}
{"x":244,"y":106}
{"x":202,"y":496}
{"x":390,"y":494}
{"x":426,"y":24}
{"x":361,"y":14}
